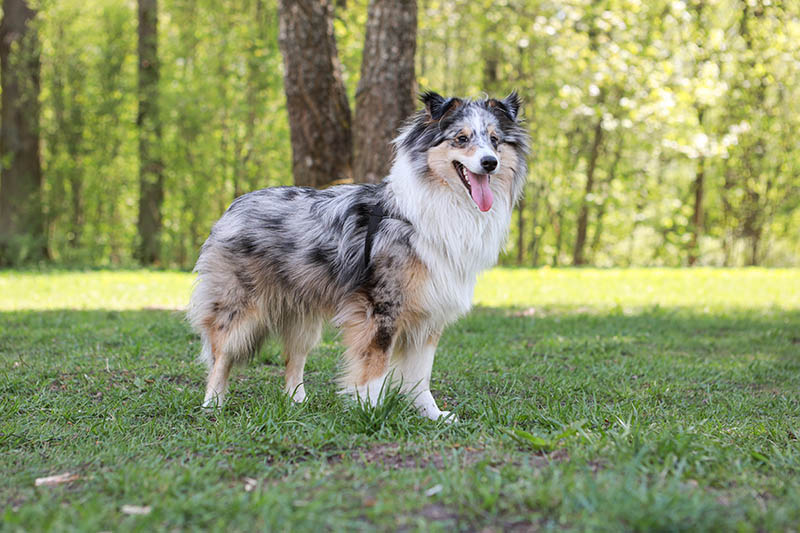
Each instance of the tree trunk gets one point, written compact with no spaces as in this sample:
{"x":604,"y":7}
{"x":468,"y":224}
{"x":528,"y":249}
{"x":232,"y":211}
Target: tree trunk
{"x":151,"y":168}
{"x":385,"y":95}
{"x":598,"y":231}
{"x":697,"y":216}
{"x":491,"y":57}
{"x":583,"y":217}
{"x":536,"y":238}
{"x":316,"y":100}
{"x":22,"y":227}
{"x":558,"y":224}
{"x":753,"y":209}
{"x":699,"y":177}
{"x":605,"y":185}
{"x":755,"y":241}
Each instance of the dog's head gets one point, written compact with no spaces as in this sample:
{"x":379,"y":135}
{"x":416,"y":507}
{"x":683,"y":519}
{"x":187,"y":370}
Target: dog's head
{"x":467,"y":144}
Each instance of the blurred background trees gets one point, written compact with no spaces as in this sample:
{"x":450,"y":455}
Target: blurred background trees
{"x":664,"y":132}
{"x":21,"y":218}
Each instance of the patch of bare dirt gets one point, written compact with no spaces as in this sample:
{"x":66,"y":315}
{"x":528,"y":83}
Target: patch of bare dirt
{"x":434,"y":512}
{"x":392,"y":456}
{"x":181,"y":380}
{"x":542,"y":458}
{"x":522,"y":526}
{"x":437,"y":511}
{"x":65,"y":380}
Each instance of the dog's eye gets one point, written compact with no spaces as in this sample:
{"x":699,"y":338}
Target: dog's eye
{"x":462,"y":139}
{"x":495,"y":140}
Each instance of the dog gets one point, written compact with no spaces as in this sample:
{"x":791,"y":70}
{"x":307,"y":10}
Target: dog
{"x":391,"y":263}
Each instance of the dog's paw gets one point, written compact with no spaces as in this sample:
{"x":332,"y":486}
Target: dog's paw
{"x":447,"y":417}
{"x":212,"y":404}
{"x":297,"y":394}
{"x":427,"y":407}
{"x":211,"y":411}
{"x":440,"y":416}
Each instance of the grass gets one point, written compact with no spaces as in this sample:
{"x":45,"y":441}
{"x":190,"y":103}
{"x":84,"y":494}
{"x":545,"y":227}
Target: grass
{"x":605,"y":400}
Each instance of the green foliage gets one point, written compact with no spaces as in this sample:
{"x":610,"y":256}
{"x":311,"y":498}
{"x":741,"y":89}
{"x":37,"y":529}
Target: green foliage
{"x":646,"y":71}
{"x":678,"y":89}
{"x":588,"y":400}
{"x":222,"y":107}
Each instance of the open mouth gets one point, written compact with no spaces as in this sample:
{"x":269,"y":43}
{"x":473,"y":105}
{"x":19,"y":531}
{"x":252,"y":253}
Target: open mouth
{"x":477,"y":186}
{"x":462,"y":173}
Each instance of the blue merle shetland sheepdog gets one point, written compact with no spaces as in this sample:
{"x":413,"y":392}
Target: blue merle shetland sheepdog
{"x":391,"y":263}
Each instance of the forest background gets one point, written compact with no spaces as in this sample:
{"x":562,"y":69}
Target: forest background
{"x":663,"y":132}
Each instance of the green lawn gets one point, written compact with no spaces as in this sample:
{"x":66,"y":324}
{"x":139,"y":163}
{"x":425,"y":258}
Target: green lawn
{"x":607,"y":400}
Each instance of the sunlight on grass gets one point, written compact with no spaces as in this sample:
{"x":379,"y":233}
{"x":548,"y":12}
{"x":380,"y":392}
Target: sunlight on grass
{"x":637,"y":287}
{"x":704,"y":288}
{"x":94,"y":290}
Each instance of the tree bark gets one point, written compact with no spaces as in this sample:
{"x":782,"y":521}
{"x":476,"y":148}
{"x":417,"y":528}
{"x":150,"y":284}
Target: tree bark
{"x":753,"y":216}
{"x":316,"y":100}
{"x":558,"y":223}
{"x":601,"y":209}
{"x":22,"y":227}
{"x":699,"y":177}
{"x":385,"y":94}
{"x":697,"y":216}
{"x":151,"y":168}
{"x":536,"y":237}
{"x":583,"y":216}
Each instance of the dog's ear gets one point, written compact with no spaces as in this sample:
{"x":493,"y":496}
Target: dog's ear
{"x":509,"y":105}
{"x":436,"y":105}
{"x":513,"y":102}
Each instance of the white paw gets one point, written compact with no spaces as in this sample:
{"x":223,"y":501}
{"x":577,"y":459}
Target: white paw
{"x":448,"y":417}
{"x":297,"y":393}
{"x":212,"y":403}
{"x":439,"y":416}
{"x":427,"y":407}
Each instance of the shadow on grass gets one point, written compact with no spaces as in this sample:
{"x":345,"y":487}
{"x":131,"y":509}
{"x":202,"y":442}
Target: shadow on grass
{"x":63,"y":340}
{"x":606,"y":354}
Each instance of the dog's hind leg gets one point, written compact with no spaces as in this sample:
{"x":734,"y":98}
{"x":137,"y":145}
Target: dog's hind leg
{"x":217,"y":383}
{"x":299,"y":338}
{"x":230,"y":336}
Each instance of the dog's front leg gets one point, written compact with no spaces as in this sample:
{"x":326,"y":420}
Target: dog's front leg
{"x":415,"y":366}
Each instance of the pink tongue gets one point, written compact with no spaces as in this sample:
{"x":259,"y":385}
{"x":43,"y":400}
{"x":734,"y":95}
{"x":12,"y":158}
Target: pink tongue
{"x":481,"y":193}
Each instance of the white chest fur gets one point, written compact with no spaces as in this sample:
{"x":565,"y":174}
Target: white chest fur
{"x":454,"y":240}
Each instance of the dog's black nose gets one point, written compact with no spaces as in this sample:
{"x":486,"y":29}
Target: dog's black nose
{"x":488,"y":163}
